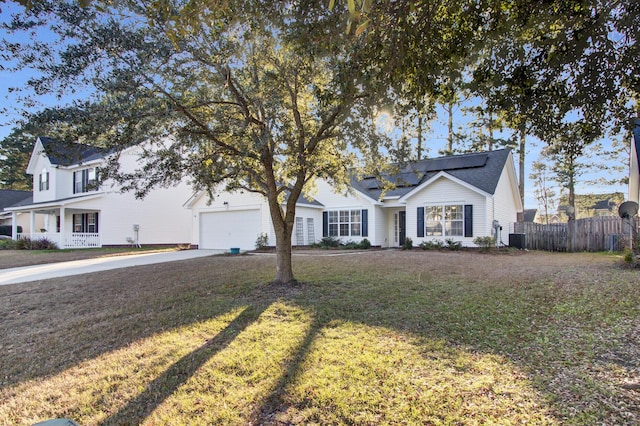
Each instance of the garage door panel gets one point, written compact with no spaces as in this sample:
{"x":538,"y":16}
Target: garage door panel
{"x":223,"y":230}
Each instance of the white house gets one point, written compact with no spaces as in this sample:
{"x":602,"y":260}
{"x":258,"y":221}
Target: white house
{"x":76,"y":212}
{"x":456,"y":197}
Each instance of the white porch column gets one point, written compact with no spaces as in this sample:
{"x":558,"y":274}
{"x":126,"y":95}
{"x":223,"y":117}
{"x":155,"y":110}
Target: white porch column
{"x":14,"y":225}
{"x":32,"y":223}
{"x":62,"y":228}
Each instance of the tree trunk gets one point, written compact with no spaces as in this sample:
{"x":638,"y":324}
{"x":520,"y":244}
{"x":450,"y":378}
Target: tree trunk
{"x":450,"y":129}
{"x":284,"y":266}
{"x":283,"y":231}
{"x":521,"y":159}
{"x":419,"y":136}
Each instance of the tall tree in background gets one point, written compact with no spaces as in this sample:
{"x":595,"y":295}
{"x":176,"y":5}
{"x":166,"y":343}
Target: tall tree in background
{"x":567,"y":152}
{"x":15,"y":151}
{"x":543,"y":191}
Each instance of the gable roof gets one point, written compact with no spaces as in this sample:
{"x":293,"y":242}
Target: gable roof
{"x":67,"y":154}
{"x":481,"y":170}
{"x":9,"y":197}
{"x":530,"y":214}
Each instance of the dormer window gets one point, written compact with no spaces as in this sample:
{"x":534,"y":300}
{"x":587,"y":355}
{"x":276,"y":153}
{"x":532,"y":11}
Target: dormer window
{"x":84,"y":181}
{"x":44,"y":180}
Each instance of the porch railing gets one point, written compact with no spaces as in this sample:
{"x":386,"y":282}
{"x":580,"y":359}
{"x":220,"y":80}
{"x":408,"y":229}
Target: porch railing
{"x":71,"y":240}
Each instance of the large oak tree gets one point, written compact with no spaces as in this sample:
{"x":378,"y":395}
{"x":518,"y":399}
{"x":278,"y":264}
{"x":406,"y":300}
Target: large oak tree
{"x":250,"y":95}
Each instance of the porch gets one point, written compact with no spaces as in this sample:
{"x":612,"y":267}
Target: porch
{"x":69,"y":223}
{"x":67,"y":240}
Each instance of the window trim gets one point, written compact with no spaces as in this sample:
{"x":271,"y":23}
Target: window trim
{"x":44,"y":180}
{"x":84,"y":182}
{"x":341,"y":223}
{"x":444,"y":224}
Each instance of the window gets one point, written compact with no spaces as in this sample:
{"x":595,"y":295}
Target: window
{"x":396,"y":227}
{"x":344,"y":223}
{"x":44,"y":180}
{"x":78,"y":223}
{"x":444,"y":221}
{"x":84,"y":181}
{"x":311,"y":233}
{"x":92,"y":223}
{"x":85,"y":223}
{"x":299,"y":231}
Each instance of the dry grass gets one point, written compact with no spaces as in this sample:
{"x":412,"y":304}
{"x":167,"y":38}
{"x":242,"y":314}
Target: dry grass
{"x":387,"y":337}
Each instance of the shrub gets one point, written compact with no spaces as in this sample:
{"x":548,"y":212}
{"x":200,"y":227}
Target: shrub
{"x":262,"y":241}
{"x":628,"y":256}
{"x":349,"y":245}
{"x":453,"y":245}
{"x":408,"y":244}
{"x":327,"y":242}
{"x":365,"y":244}
{"x":431,"y":245}
{"x":485,"y":243}
{"x":39,"y":244}
{"x":7,"y":244}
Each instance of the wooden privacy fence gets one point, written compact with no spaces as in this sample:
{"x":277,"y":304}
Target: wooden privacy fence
{"x":590,"y":234}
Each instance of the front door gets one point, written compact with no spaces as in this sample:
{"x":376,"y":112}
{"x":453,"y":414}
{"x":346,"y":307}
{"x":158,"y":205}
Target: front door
{"x":402,"y":232}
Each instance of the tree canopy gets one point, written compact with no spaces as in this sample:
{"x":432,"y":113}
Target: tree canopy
{"x":247,"y":93}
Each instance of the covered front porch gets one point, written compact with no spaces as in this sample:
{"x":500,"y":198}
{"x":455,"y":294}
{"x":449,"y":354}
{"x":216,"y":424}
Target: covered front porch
{"x":65,"y":224}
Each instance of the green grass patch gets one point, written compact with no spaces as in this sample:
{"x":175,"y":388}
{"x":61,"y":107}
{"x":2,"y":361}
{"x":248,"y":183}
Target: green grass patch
{"x":388,"y":337}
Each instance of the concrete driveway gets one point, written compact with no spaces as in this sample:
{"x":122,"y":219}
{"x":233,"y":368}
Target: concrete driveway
{"x":85,"y":266}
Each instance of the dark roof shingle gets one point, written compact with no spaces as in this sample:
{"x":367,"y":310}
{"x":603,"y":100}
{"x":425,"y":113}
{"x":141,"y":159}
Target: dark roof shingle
{"x":10,"y":197}
{"x":481,"y":170}
{"x":67,"y":153}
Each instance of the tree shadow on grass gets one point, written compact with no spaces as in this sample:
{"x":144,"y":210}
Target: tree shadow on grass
{"x":165,"y":385}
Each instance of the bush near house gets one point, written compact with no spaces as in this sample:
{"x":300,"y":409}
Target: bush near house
{"x":333,"y":242}
{"x":431,"y":245}
{"x":39,"y":244}
{"x":485,"y":243}
{"x":408,"y":244}
{"x":262,"y":242}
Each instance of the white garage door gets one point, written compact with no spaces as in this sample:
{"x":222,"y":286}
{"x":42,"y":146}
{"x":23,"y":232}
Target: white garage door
{"x":223,"y":230}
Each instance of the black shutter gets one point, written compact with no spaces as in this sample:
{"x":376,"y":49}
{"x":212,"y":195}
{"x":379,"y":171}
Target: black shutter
{"x":468,"y":220}
{"x":365,"y":223}
{"x":85,"y":179}
{"x":420,"y":222}
{"x":325,"y":224}
{"x":74,"y":182}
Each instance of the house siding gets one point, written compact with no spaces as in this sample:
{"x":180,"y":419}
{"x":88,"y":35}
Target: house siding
{"x":505,"y":205}
{"x":446,"y":191}
{"x":41,"y":163}
{"x":354,"y":201}
{"x":235,"y":201}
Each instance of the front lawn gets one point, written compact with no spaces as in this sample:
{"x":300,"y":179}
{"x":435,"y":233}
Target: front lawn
{"x":385,"y":337}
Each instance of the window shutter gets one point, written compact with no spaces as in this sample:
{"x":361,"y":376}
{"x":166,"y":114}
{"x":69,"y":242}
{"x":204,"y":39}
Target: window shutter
{"x":365,"y":223}
{"x":468,"y":220}
{"x":97,"y":230}
{"x":325,"y":224}
{"x":420,"y":222}
{"x":74,"y":182}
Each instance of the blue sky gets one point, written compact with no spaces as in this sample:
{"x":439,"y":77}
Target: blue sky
{"x":435,"y":139}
